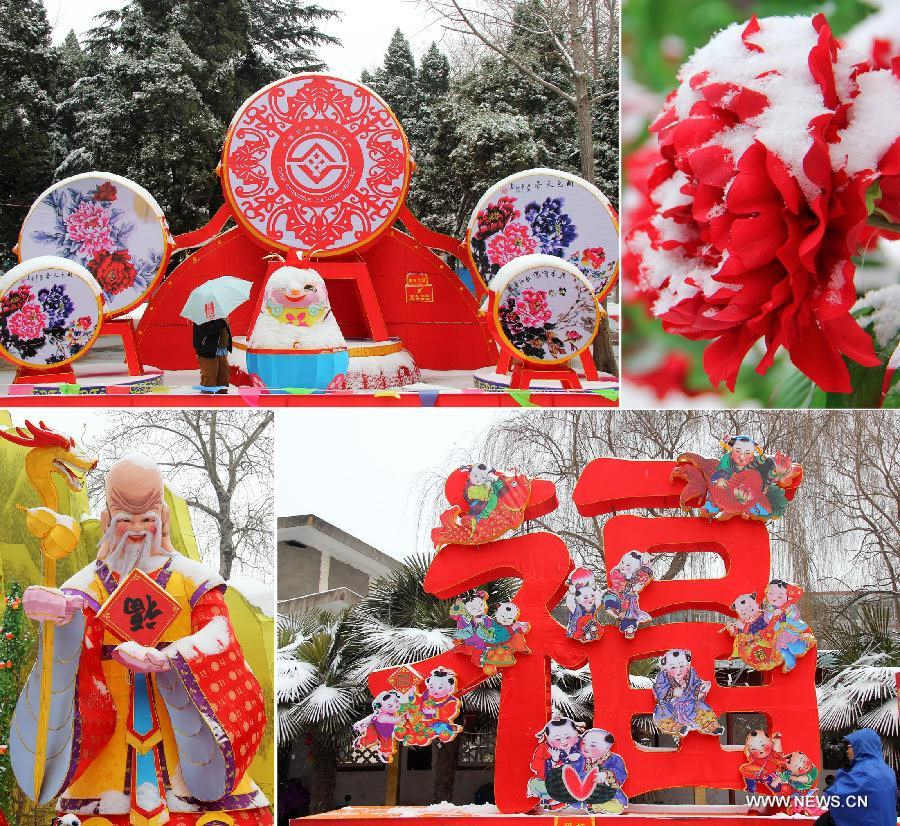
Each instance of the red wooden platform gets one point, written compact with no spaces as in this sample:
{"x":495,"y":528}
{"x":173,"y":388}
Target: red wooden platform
{"x":381,"y":399}
{"x":404,"y":815}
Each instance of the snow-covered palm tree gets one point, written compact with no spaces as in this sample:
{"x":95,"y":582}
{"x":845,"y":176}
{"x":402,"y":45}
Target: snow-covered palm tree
{"x":862,"y":665}
{"x":319,"y":694}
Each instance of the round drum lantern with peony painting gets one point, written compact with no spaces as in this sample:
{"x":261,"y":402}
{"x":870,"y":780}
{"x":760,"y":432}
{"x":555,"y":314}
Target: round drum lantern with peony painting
{"x":548,"y":212}
{"x":51,"y":310}
{"x":107,"y":224}
{"x":544,"y":314}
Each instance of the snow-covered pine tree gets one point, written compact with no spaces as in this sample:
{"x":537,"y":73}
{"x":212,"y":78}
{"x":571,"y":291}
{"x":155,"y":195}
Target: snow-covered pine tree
{"x":285,"y":33}
{"x":606,"y":130}
{"x":159,"y":90}
{"x":396,"y":81}
{"x":27,"y":70}
{"x":434,"y":192}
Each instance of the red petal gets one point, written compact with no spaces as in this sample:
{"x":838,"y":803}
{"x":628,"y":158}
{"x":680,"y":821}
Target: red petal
{"x":755,"y":241}
{"x":751,"y":28}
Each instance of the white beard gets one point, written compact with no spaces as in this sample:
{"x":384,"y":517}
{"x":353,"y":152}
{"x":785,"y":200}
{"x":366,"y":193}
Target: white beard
{"x":128,"y":553}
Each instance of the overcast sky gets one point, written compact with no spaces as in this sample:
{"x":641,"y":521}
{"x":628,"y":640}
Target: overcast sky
{"x":363,"y":469}
{"x":365,"y":28}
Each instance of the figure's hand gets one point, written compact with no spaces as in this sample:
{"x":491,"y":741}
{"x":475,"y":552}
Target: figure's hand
{"x":705,"y":686}
{"x":783,"y":465}
{"x":732,"y":627}
{"x":139,"y":658}
{"x":50,"y":604}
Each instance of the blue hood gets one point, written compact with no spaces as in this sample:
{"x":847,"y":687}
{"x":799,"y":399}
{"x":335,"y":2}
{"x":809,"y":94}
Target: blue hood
{"x":868,"y":776}
{"x":866,"y":743}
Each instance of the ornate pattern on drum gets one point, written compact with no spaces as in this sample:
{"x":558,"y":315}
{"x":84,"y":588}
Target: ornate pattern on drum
{"x":544,"y":310}
{"x":108,"y":224}
{"x":316,"y":164}
{"x":51,"y":310}
{"x":544,"y":211}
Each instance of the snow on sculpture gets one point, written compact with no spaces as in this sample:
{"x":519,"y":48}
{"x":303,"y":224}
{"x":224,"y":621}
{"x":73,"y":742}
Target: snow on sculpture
{"x":295,"y":340}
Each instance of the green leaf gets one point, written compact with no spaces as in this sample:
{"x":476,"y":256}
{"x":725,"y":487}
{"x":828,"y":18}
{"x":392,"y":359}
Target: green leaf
{"x":873,"y":194}
{"x":866,"y":383}
{"x":796,"y":391}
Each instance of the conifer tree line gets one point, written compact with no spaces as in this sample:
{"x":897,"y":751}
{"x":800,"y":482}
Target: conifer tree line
{"x":149,"y":91}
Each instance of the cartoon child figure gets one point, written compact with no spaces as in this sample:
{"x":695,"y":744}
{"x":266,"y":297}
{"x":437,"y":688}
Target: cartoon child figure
{"x":507,"y":617}
{"x":558,"y":746}
{"x":765,"y":771}
{"x":596,"y":748}
{"x":581,"y":602}
{"x":483,"y":490}
{"x":471,"y":616}
{"x":802,"y":774}
{"x":766,"y":492}
{"x":753,"y":637}
{"x":440,"y":706}
{"x":503,"y":637}
{"x":626,"y":580}
{"x":680,"y":698}
{"x":793,"y":637}
{"x":378,"y":728}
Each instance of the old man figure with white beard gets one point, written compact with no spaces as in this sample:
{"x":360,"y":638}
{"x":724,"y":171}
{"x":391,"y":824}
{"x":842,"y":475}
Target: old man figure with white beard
{"x":142,"y":735}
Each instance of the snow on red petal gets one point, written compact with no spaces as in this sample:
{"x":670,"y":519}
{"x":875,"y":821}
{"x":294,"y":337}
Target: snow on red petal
{"x":755,"y":226}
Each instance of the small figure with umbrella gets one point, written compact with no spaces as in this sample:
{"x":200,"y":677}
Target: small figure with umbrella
{"x":208,"y":308}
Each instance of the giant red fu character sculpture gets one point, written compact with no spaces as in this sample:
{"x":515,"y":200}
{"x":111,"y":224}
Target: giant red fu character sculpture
{"x":542,"y":562}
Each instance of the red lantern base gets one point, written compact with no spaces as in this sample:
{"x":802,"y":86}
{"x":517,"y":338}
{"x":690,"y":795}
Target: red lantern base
{"x":403,"y":816}
{"x":524,"y":373}
{"x":124,"y":328}
{"x":25,"y":375}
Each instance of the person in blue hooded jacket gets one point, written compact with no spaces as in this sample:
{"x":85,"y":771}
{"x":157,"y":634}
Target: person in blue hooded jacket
{"x":869,"y":777}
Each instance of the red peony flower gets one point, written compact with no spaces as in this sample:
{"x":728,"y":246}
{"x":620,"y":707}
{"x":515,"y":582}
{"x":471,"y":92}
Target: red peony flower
{"x":85,"y":322}
{"x":759,"y":201}
{"x":496,"y":216}
{"x":514,"y":242}
{"x":105,"y":192}
{"x":29,"y":322}
{"x":533,"y":309}
{"x":593,"y":257}
{"x":114,"y":271}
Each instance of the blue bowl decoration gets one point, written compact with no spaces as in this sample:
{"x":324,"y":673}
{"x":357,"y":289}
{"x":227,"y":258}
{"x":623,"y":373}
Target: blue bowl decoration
{"x":314,"y":370}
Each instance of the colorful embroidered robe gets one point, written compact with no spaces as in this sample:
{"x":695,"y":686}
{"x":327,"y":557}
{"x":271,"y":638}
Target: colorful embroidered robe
{"x":191,"y":732}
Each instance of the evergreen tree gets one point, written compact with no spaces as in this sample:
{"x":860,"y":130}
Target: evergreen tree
{"x":433,"y":195}
{"x":396,"y":81}
{"x":14,"y":648}
{"x":140,"y":111}
{"x":606,"y":131}
{"x":159,"y":92}
{"x":71,"y":62}
{"x":27,"y":69}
